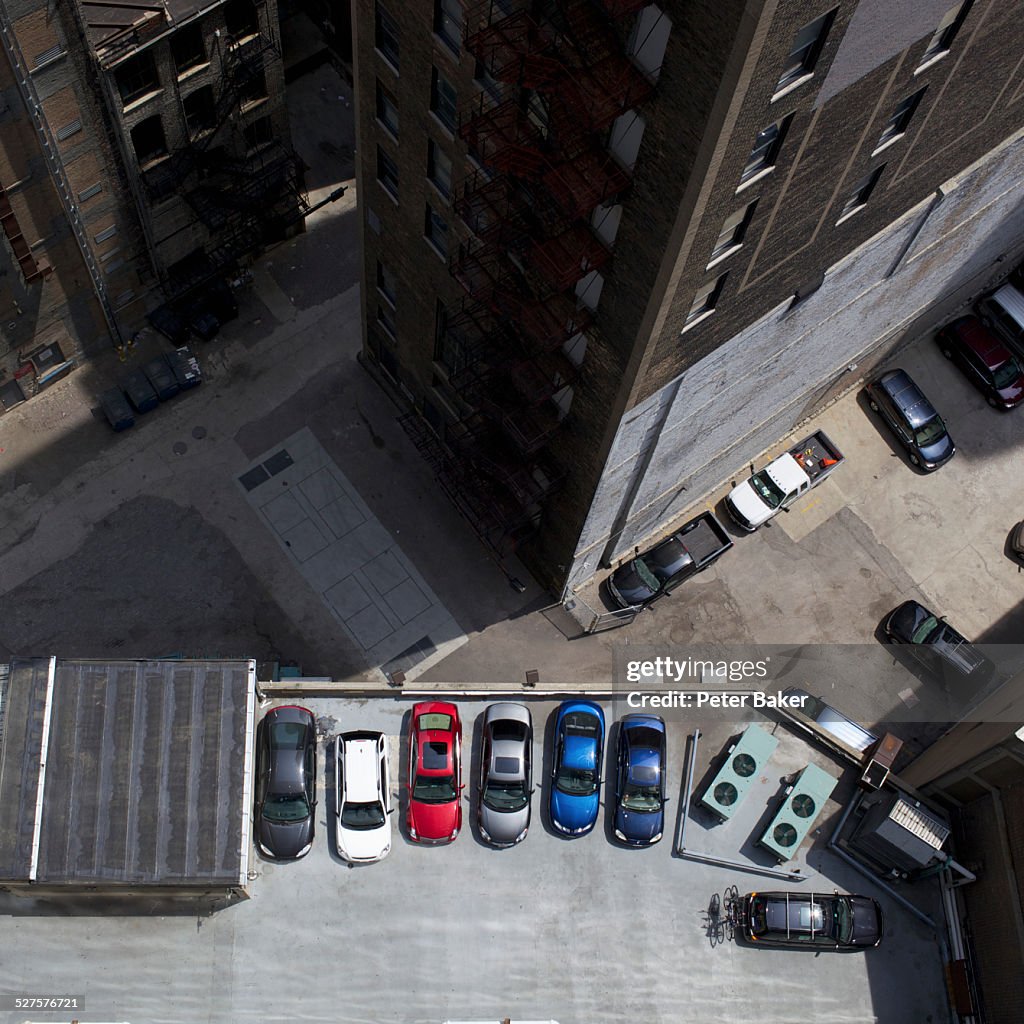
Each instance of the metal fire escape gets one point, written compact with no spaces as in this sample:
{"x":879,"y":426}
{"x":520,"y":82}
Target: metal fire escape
{"x":244,"y":201}
{"x":564,"y":78}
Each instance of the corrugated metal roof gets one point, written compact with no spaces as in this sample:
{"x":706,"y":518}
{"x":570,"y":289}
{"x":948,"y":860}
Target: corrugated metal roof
{"x":146,"y":775}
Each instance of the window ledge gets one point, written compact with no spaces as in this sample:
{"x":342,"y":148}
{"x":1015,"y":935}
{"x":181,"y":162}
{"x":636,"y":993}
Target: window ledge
{"x":154,"y":162}
{"x":929,"y":62}
{"x":392,"y":135}
{"x":453,"y":50}
{"x":141,"y":101}
{"x":240,"y":41}
{"x":722,"y":256}
{"x":754,"y":178}
{"x":792,"y":86}
{"x":393,"y":196}
{"x":850,"y":213}
{"x":387,"y":61}
{"x":387,"y":298}
{"x":253,"y":104}
{"x":697,"y":320}
{"x":887,"y":143}
{"x":192,"y":71}
{"x":448,"y":131}
{"x":445,"y":197}
{"x":443,"y":257}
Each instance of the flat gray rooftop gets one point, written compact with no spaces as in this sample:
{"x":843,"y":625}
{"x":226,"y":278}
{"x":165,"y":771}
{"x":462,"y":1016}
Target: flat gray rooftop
{"x":146,"y":773}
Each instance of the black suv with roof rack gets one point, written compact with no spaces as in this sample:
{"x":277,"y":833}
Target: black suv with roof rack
{"x":936,"y":645}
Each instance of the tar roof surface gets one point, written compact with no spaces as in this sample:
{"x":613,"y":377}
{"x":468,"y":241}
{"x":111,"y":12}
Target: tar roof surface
{"x":145,"y":775}
{"x":106,"y":21}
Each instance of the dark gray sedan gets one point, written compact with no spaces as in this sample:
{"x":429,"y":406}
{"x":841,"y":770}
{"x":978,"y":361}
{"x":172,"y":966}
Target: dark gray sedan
{"x":506,"y":775}
{"x":285,"y":782}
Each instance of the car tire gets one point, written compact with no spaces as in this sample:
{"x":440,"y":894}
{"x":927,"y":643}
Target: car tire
{"x":873,"y":405}
{"x":987,"y":322}
{"x":993,"y":402}
{"x":914,"y":460}
{"x":947,"y":352}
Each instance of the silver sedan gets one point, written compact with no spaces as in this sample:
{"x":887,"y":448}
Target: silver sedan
{"x":506,"y":775}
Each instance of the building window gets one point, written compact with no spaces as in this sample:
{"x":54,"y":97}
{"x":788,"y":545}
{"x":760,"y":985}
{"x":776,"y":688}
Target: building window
{"x":946,"y":33}
{"x":439,"y":169}
{"x":448,"y":23}
{"x":259,"y":133}
{"x":766,"y":149}
{"x":253,"y":91}
{"x":449,"y":348}
{"x":730,"y":238}
{"x":387,"y":172}
{"x":387,"y":283}
{"x":148,"y":140}
{"x":443,"y":100}
{"x":241,"y":19}
{"x":387,"y":110}
{"x":137,"y":77}
{"x":896,"y":126}
{"x":386,"y":318}
{"x":200,"y":112}
{"x":860,"y":194}
{"x":486,"y":81}
{"x":435,"y":229}
{"x":187,"y":48}
{"x":704,"y":301}
{"x":386,"y":34}
{"x":805,"y":51}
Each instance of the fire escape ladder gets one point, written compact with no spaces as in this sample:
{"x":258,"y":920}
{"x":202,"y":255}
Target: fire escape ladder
{"x":503,"y":138}
{"x":515,"y":49}
{"x":567,"y":257}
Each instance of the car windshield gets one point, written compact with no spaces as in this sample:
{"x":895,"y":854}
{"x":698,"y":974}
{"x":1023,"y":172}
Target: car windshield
{"x":363,"y":816}
{"x":287,"y":807}
{"x":930,"y":432}
{"x":924,"y":631}
{"x":1007,"y":374}
{"x":767,"y":489}
{"x":505,"y":796}
{"x":434,"y":789}
{"x":576,"y":781}
{"x":647,"y":578}
{"x":641,"y":798}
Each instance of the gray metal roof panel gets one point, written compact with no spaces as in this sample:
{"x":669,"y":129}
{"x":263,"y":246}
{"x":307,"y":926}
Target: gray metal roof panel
{"x":20,"y":752}
{"x":146,"y":775}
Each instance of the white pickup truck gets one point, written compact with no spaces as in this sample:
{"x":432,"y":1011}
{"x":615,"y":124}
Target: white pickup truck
{"x":766,"y":493}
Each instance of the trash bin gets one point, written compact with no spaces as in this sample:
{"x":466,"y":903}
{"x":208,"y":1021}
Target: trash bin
{"x":116,"y":408}
{"x":159,"y":373}
{"x":140,"y":392}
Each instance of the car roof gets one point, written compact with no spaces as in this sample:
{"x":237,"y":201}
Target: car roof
{"x":907,"y":397}
{"x":362,"y":768}
{"x":1011,"y":300}
{"x":987,"y":345}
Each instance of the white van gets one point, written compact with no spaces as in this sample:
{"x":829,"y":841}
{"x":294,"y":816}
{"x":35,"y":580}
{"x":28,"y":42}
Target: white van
{"x":1003,"y":310}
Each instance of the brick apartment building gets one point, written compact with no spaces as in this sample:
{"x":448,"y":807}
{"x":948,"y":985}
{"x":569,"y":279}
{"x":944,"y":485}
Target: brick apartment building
{"x":613,"y":250}
{"x":143,"y":154}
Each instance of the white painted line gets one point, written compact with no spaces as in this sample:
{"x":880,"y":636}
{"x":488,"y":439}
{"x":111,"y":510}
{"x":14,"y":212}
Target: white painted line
{"x":37,"y":825}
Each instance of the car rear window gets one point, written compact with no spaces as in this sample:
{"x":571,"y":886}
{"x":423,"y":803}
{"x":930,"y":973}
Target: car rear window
{"x":507,"y":765}
{"x":287,"y":735}
{"x":435,"y":755}
{"x":435,"y":721}
{"x":581,"y":723}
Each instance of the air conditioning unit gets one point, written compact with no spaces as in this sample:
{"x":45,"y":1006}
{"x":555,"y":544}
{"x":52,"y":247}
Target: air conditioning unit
{"x":801,"y":805}
{"x":744,"y":762}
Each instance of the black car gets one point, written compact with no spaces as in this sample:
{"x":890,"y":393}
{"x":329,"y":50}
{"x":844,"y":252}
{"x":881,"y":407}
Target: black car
{"x":640,"y":781}
{"x":807,"y":920}
{"x":912,"y":418}
{"x":936,"y":644}
{"x":285,"y":782}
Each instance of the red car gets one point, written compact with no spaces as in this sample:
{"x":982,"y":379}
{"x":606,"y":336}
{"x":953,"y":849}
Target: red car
{"x":435,"y":773}
{"x":986,"y":362}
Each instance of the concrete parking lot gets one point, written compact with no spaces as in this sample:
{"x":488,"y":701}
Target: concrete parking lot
{"x":572,"y":931}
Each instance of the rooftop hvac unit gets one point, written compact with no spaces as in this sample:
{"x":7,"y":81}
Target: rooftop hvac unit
{"x":802,"y":804}
{"x":744,"y":761}
{"x":900,"y":833}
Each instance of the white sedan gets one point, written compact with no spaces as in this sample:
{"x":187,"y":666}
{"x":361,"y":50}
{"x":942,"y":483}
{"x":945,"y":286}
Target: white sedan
{"x":363,"y":804}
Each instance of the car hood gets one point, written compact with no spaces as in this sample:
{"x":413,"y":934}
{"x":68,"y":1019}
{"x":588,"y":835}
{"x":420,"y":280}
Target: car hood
{"x":626,"y":581}
{"x":572,"y":811}
{"x":434,"y":821}
{"x":867,"y":921}
{"x":1012,"y":395}
{"x":504,"y":826}
{"x":745,"y":500}
{"x":942,"y":450}
{"x":639,"y":826}
{"x":364,"y":844}
{"x":284,"y":839}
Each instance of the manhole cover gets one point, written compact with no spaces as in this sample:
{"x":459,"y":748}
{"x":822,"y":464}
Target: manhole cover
{"x":199,"y":433}
{"x":180,"y":448}
{"x":725,"y":793}
{"x":784,"y":834}
{"x":744,"y":765}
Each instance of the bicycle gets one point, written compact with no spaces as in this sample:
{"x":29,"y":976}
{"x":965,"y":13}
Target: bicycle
{"x":723,"y":914}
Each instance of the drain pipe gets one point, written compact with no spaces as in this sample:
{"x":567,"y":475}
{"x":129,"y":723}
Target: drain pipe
{"x":706,"y":858}
{"x":833,"y":845}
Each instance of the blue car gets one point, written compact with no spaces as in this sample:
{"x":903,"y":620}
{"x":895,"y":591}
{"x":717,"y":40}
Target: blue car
{"x":640,"y":781}
{"x":576,"y":767}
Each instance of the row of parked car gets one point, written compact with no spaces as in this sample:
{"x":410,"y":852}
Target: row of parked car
{"x":143,"y":389}
{"x":286,"y":770}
